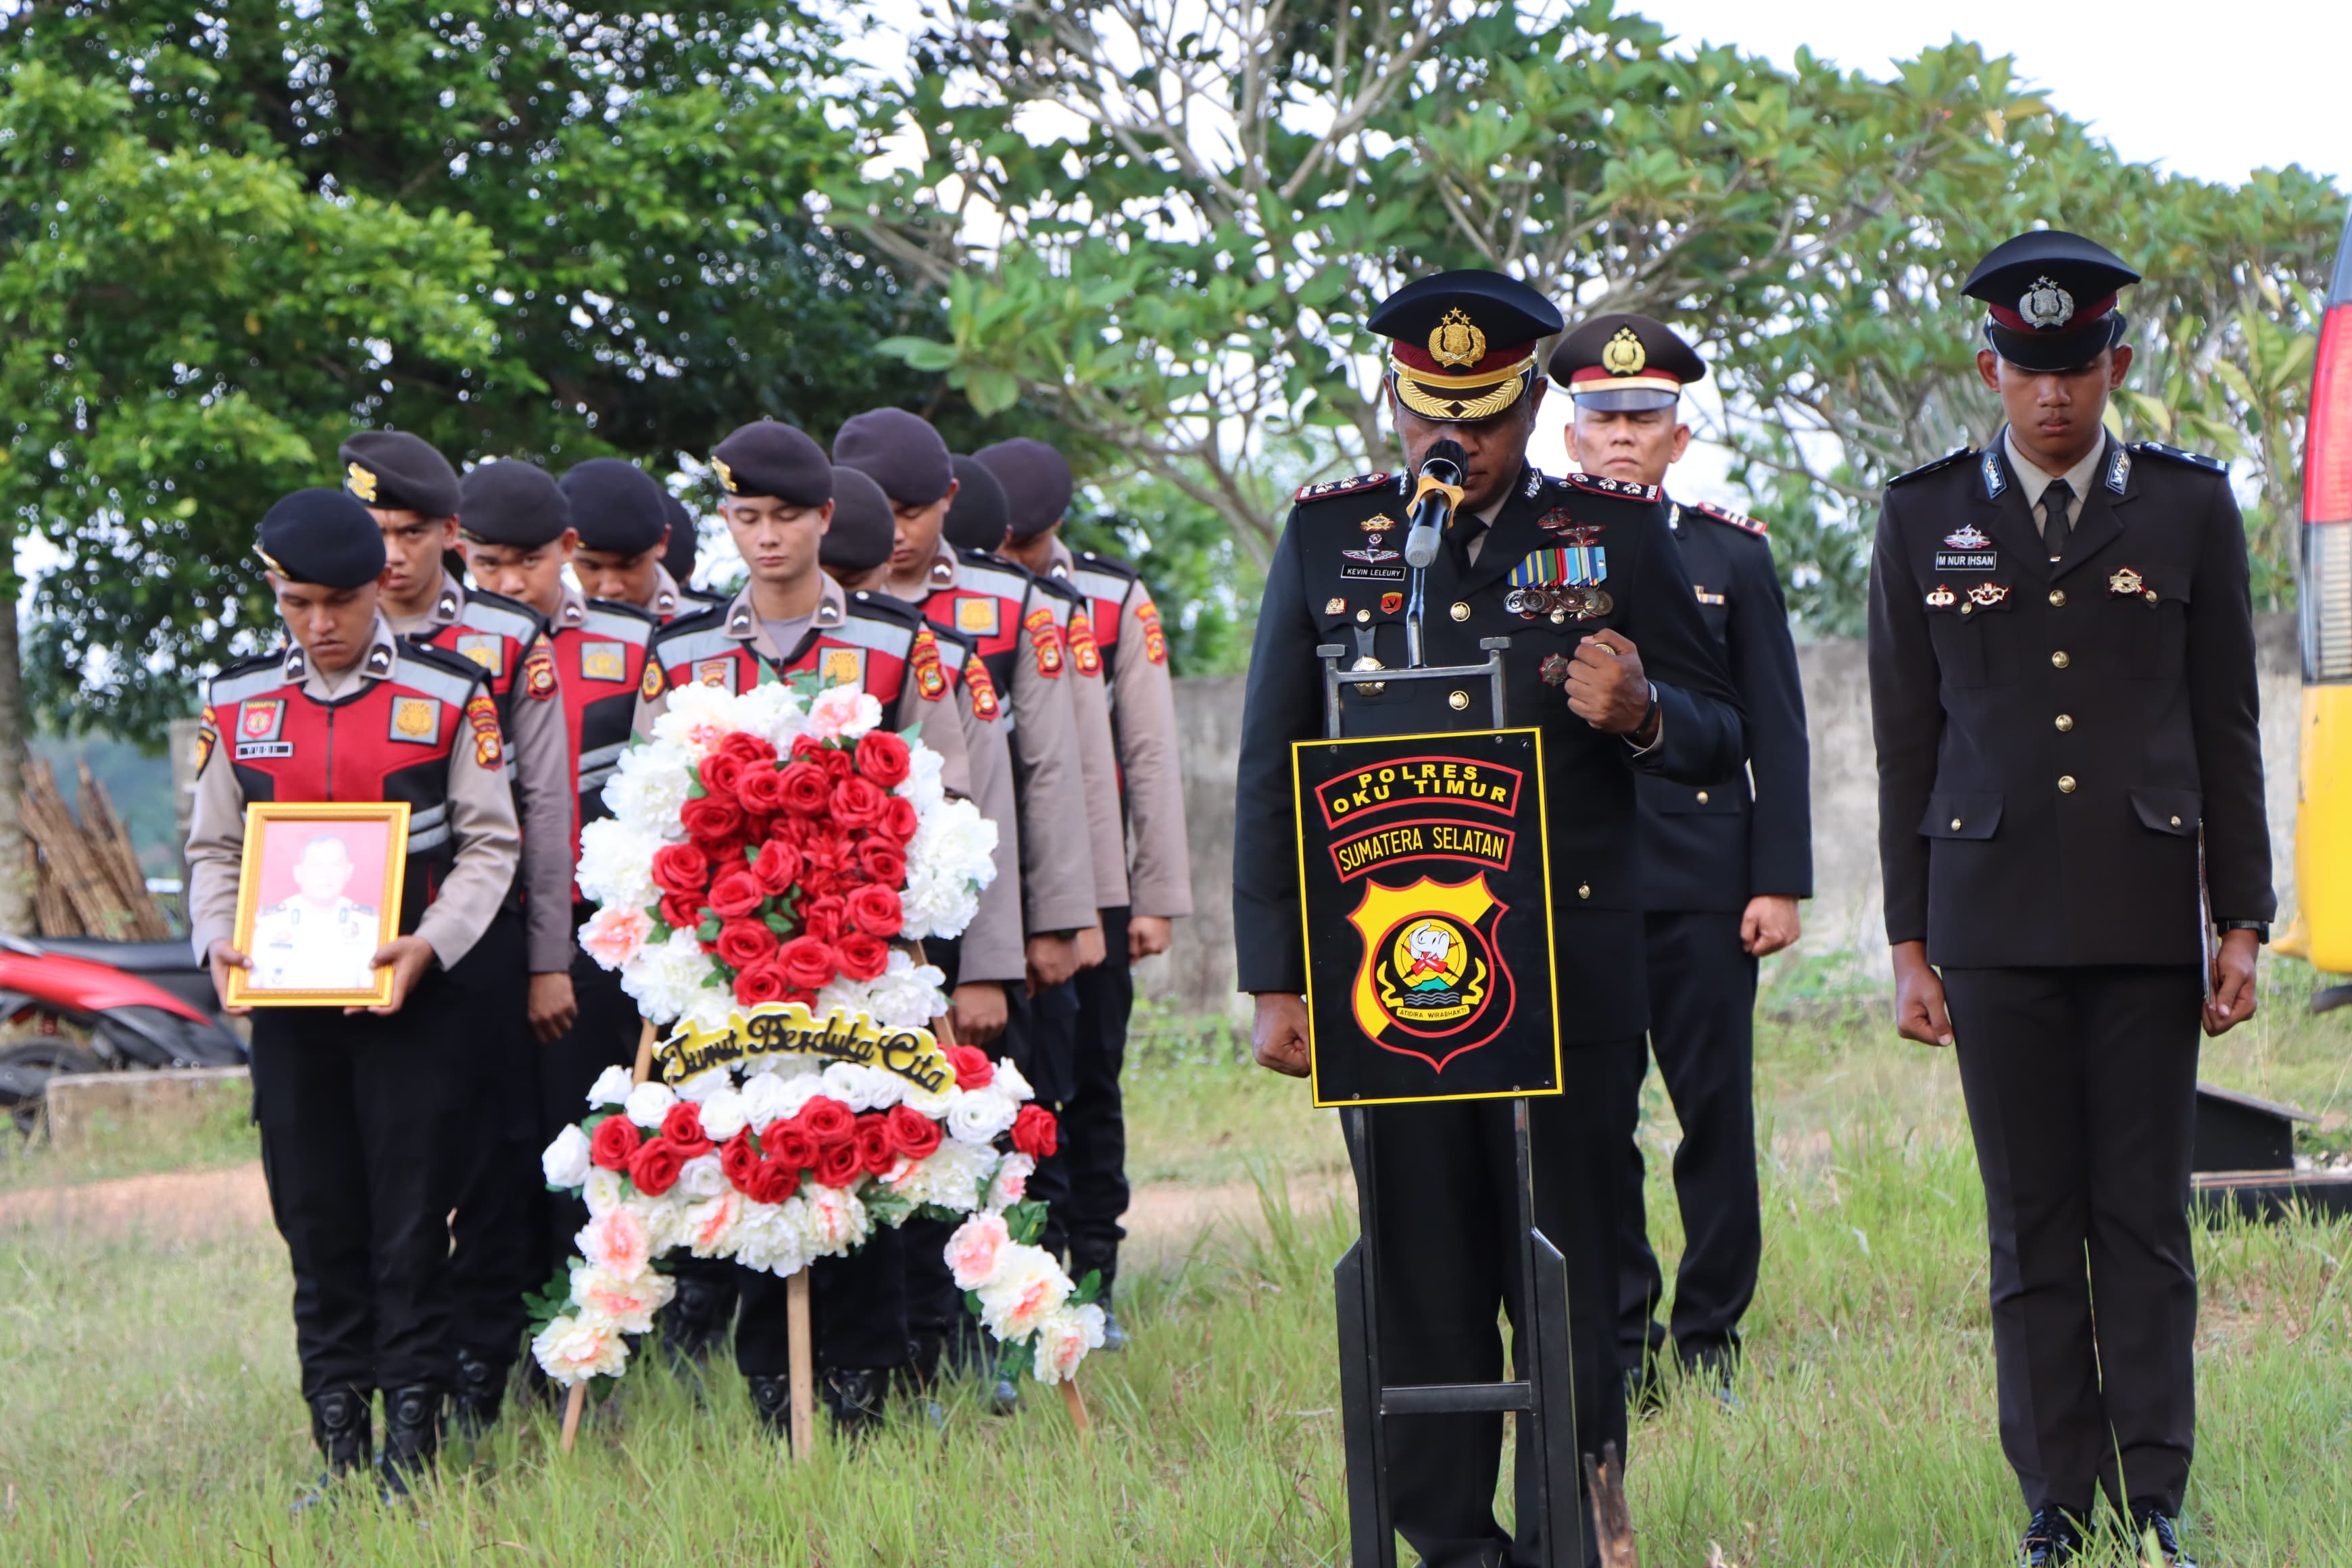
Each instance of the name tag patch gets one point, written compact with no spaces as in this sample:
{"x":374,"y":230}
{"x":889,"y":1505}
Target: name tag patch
{"x":248,"y":750}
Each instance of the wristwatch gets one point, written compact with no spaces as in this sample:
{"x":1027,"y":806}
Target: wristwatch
{"x":2262,"y":929}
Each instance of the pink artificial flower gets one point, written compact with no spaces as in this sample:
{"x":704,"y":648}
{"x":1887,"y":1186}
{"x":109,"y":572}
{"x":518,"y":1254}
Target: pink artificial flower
{"x":616,"y":1241}
{"x":615,"y":935}
{"x":976,"y":1250}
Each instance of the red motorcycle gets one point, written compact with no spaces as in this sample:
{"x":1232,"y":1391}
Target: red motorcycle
{"x":104,"y":1006}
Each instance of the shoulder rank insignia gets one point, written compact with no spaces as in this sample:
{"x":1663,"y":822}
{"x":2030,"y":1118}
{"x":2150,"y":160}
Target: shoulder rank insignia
{"x":1601,"y":484}
{"x":655,"y":683}
{"x":1155,"y":640}
{"x":489,"y":746}
{"x":1738,"y":520}
{"x":983,"y":688}
{"x":2119,"y":468}
{"x":207,"y":737}
{"x":1330,"y":487}
{"x":1082,"y":644}
{"x":930,"y":677}
{"x":539,"y":670}
{"x":1045,"y":642}
{"x":2194,"y":459}
{"x":1956,"y":454}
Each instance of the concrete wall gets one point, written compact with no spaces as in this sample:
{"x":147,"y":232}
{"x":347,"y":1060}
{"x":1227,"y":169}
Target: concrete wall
{"x":1197,"y":975}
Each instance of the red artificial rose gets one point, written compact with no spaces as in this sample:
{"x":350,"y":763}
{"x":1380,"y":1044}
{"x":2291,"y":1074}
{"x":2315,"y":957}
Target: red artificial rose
{"x":760,"y":983}
{"x":719,"y":772}
{"x":615,"y":1139}
{"x":805,"y":788}
{"x":877,"y":1151}
{"x":761,"y":791}
{"x":899,"y":819}
{"x":747,"y":747}
{"x":914,"y":1134}
{"x":713,"y":821}
{"x":972,"y":1067}
{"x":735,"y":894}
{"x":839,"y":1165}
{"x":745,"y":944}
{"x":828,"y":1121}
{"x":858,"y":804}
{"x":807,"y":963}
{"x":884,"y":758}
{"x":739,"y":1157}
{"x":681,"y":869}
{"x":875,"y":911}
{"x":884,"y":861}
{"x":863,"y":957}
{"x":807,"y":748}
{"x":772,"y":1182}
{"x":681,"y":911}
{"x":654,"y":1168}
{"x":1035,"y":1132}
{"x":682,"y":1128}
{"x":789,"y":1145}
{"x":777,"y":867}
{"x":820,"y":913}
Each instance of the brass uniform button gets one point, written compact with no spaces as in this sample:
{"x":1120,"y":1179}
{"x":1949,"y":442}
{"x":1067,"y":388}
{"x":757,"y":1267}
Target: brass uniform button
{"x":1956,"y":825}
{"x":1702,"y":798}
{"x":2175,"y":821}
{"x":2065,"y":723}
{"x":1584,"y":889}
{"x":2059,"y":660}
{"x":1461,"y":612}
{"x":1457,"y":700}
{"x":1967,"y":609}
{"x":1363,"y":615}
{"x":2058,"y":598}
{"x":2151,"y":595}
{"x":2066,"y":784}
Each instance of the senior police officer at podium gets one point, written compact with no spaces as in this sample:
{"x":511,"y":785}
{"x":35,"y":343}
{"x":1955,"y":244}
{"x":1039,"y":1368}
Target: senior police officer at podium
{"x":1610,"y":659}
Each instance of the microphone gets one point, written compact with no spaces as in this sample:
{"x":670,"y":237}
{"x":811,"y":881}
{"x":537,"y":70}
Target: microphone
{"x":1444,"y":469}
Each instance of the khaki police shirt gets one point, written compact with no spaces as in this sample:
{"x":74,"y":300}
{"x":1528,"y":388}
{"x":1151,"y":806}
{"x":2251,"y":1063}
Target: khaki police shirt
{"x":481,"y":823}
{"x":1057,"y":877}
{"x":1099,"y":761}
{"x":1143,"y":726}
{"x":991,"y":944}
{"x":538,"y":766}
{"x":668,"y":599}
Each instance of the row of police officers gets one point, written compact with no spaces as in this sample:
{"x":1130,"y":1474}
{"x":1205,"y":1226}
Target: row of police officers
{"x":2074,"y":857}
{"x":484,"y":648}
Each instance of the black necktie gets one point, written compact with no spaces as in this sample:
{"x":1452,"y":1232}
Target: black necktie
{"x":1464,"y":531}
{"x":2054,"y":526}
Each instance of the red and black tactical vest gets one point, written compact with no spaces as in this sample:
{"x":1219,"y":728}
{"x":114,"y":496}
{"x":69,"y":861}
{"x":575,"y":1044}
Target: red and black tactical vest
{"x":878,"y":647}
{"x":505,"y":637}
{"x":601,"y":662}
{"x":388,"y":740}
{"x":994,"y":607}
{"x":1110,"y":588}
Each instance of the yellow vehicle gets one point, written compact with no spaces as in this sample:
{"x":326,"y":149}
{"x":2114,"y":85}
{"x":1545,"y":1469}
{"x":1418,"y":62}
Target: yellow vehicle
{"x":2323,"y":831}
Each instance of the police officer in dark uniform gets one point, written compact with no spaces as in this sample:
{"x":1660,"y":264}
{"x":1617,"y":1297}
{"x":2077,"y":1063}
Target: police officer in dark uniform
{"x":2062,"y":662}
{"x":1611,"y":658}
{"x":360,"y":1111}
{"x":1722,"y":868}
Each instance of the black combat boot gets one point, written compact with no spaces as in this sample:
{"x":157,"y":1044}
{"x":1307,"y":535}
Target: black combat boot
{"x":2155,"y":1530}
{"x":696,"y":1318}
{"x":340,"y":1425}
{"x":2053,"y":1537}
{"x":771,"y":1396}
{"x":481,"y":1390}
{"x":1114,"y":1336}
{"x":854,"y":1397}
{"x":412,"y":1437}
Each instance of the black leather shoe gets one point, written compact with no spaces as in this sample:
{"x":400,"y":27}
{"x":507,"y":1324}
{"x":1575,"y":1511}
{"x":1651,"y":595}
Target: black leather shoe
{"x":481,"y":1391}
{"x":412,"y":1437}
{"x":696,"y":1319}
{"x":2157,"y":1530}
{"x":2053,"y":1536}
{"x":771,"y":1396}
{"x":854,"y":1396}
{"x":341,"y":1426}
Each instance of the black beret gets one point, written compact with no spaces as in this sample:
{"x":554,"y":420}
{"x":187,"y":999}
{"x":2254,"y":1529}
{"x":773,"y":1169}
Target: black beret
{"x":1038,"y":486}
{"x":1465,"y":342}
{"x":1624,"y":360}
{"x":2052,"y":299}
{"x":511,"y":503}
{"x":400,"y":472}
{"x":616,"y":506}
{"x":864,"y":527}
{"x":323,"y":537}
{"x":898,"y":450}
{"x":677,"y":557}
{"x":769,"y":458}
{"x":977,"y":517}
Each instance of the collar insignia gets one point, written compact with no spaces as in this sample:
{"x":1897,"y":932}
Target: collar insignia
{"x":827,"y":615}
{"x":573,"y":613}
{"x":298,"y":664}
{"x":1995,"y":481}
{"x":2119,"y":468}
{"x":738,"y":624}
{"x":1536,"y":482}
{"x":446,"y":607}
{"x":379,"y":660}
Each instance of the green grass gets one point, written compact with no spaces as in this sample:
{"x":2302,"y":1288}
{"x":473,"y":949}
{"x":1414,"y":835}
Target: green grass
{"x":148,"y":1412}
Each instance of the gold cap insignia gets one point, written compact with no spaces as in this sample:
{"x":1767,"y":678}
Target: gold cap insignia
{"x":1623,"y":354}
{"x":359,"y":481}
{"x":2046,"y":305}
{"x":726,"y":474}
{"x":1456,"y":342}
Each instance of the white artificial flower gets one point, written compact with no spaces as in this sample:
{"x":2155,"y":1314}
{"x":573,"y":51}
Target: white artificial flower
{"x":1010,"y":1184}
{"x":923,"y":784}
{"x":712,"y":1227}
{"x":724,"y":1114}
{"x":617,"y":860}
{"x":843,"y":995}
{"x":948,"y":1176}
{"x":648,"y":1103}
{"x":795,"y":1090}
{"x":1009,"y":1082}
{"x":697,"y":718}
{"x":1063,"y":1337}
{"x":572,"y":1349}
{"x":666,"y":980}
{"x":612,"y":1087}
{"x":703,"y":1084}
{"x":949,"y":860}
{"x":980,"y":1118}
{"x":907,"y":997}
{"x":701,"y":1177}
{"x":1027,"y":1284}
{"x":771,"y":712}
{"x":603,"y":1190}
{"x":628,"y":1305}
{"x":835,"y":1221}
{"x":932,"y":1102}
{"x":565,"y":1161}
{"x":861,"y":1088}
{"x":649,"y":787}
{"x":771,"y":1239}
{"x":707,"y":1008}
{"x":772,"y":1097}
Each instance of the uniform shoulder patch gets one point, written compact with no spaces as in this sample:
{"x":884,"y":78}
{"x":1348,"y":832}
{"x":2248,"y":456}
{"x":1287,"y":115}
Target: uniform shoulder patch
{"x":983,"y":688}
{"x":1956,"y":454}
{"x":1738,"y":520}
{"x":2194,"y":459}
{"x":1330,"y":487}
{"x":1601,"y":485}
{"x":539,"y":669}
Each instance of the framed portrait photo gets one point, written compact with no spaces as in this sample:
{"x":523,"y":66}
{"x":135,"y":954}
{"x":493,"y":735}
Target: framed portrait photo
{"x":317,"y":895}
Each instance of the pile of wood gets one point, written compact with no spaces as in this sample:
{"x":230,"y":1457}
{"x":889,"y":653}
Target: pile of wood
{"x":89,"y":881}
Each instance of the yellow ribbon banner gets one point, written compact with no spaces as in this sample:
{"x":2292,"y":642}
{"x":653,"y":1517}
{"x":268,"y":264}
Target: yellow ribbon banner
{"x":790,"y":1029}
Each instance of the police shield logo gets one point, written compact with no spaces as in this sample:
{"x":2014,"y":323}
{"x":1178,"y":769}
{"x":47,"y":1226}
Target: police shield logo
{"x":604,"y":661}
{"x":483,"y":649}
{"x":416,"y":719}
{"x":841,"y":666}
{"x":976,"y":616}
{"x":260,"y":720}
{"x":1430,"y":983}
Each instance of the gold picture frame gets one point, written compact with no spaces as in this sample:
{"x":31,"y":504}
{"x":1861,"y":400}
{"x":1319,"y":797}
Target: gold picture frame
{"x":306,"y":938}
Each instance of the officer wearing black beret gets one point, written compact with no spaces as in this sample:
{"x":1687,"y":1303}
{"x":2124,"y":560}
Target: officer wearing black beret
{"x":1722,"y":868}
{"x":624,"y":519}
{"x":2062,"y":662}
{"x":859,"y":539}
{"x":978,"y":518}
{"x":1612,"y":661}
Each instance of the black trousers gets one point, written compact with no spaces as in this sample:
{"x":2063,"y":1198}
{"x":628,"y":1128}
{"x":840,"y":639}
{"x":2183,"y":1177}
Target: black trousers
{"x":1703,"y":1033}
{"x":858,"y":1312}
{"x":1448,"y":1256}
{"x":361,"y":1145}
{"x":1041,"y":1038}
{"x":2082,"y":1094}
{"x":496,"y":1249}
{"x":1094,"y":1120}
